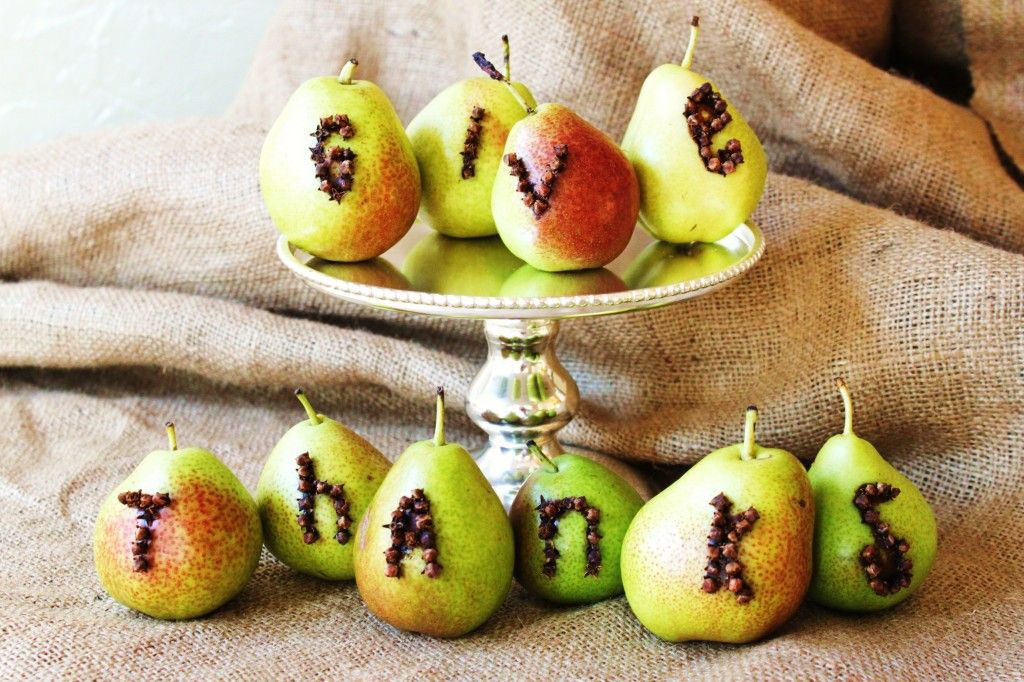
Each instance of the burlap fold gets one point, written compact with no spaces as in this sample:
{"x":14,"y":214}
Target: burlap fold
{"x":140,"y":284}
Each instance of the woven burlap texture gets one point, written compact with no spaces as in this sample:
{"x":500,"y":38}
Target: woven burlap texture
{"x":139,"y":284}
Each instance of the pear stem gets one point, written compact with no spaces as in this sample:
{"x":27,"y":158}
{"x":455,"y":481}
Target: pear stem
{"x":172,"y":436}
{"x":747,"y":451}
{"x":491,"y":71}
{"x":347,"y":71}
{"x":505,"y":54}
{"x":439,"y":422}
{"x":313,"y":416}
{"x":535,"y":450}
{"x":692,"y":45}
{"x":847,"y":406}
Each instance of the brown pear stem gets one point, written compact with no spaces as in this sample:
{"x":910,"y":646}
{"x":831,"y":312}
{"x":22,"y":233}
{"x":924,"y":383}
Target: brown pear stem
{"x":505,"y":53}
{"x":692,"y":44}
{"x":535,"y":450}
{"x":347,"y":71}
{"x":313,"y":416}
{"x":487,"y":67}
{"x":847,"y":406}
{"x":439,"y":421}
{"x":747,"y":450}
{"x":172,"y":436}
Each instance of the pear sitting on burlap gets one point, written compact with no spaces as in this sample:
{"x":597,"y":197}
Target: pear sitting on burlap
{"x":700,"y":166}
{"x":724,"y":553}
{"x":337,"y":172}
{"x":569,"y":519}
{"x":317,"y":483}
{"x":875,"y":536}
{"x":434,"y":552}
{"x":179,"y":537}
{"x":565,"y":197}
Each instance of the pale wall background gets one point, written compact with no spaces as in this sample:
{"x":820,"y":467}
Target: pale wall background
{"x":73,"y":65}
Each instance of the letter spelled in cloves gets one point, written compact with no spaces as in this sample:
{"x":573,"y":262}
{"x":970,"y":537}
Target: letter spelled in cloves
{"x":412,"y":527}
{"x":706,"y":115}
{"x":309,"y":486}
{"x":335,"y":166}
{"x":147,"y":507}
{"x":552,"y":510}
{"x":723,"y":568}
{"x":885,"y":563}
{"x":537,"y":197}
{"x":471,"y":146}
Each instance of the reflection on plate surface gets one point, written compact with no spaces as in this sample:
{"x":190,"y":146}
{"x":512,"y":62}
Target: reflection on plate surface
{"x":375,"y":272}
{"x":433,"y":263}
{"x":661,"y":263}
{"x":466,"y":267}
{"x":529,"y":282}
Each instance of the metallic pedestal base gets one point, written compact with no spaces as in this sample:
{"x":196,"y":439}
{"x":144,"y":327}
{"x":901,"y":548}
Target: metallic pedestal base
{"x":522,"y":393}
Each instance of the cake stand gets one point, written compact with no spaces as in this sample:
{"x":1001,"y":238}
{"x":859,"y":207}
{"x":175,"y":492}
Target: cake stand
{"x":523,"y":392}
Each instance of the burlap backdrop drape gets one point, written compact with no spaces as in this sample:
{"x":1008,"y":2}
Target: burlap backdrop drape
{"x":139,"y":284}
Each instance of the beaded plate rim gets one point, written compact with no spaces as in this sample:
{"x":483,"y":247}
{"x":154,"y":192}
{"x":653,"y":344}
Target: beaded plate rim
{"x":489,"y":307}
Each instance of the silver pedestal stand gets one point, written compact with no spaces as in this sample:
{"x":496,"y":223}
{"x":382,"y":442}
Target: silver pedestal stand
{"x":523,"y":392}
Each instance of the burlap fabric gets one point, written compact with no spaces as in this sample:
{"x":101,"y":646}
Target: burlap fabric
{"x":139,"y":284}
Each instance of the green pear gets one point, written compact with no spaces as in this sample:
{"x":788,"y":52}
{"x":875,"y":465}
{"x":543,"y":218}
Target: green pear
{"x":565,"y":197}
{"x":375,"y":272}
{"x":529,"y":282}
{"x":458,"y":140}
{"x":724,"y":553}
{"x":462,"y":267}
{"x":355,"y":192}
{"x":661,"y":263}
{"x":701,"y":168}
{"x":875,"y":536}
{"x":317,"y":483}
{"x":179,"y":537}
{"x":569,"y":519}
{"x":434,"y":552}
